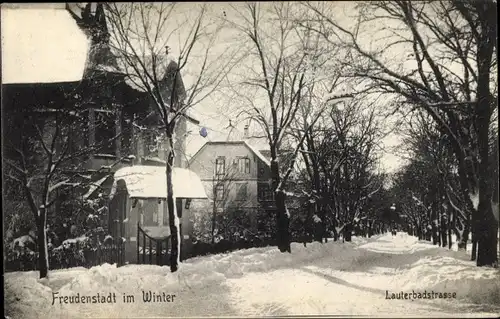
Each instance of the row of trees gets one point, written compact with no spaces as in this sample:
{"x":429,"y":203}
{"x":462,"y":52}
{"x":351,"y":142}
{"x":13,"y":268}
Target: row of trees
{"x":437,"y":58}
{"x":427,"y":189}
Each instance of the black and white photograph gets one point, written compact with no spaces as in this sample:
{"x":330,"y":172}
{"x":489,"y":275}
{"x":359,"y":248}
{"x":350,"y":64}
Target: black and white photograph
{"x":250,"y":159}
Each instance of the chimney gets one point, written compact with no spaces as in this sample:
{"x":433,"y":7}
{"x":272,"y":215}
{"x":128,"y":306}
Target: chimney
{"x":245,"y":132}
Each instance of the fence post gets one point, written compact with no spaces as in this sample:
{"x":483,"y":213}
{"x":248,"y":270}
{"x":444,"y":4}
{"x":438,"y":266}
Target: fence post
{"x":138,"y":242}
{"x":150,"y":251}
{"x":143,"y":247}
{"x":167,"y":258}
{"x":158,"y":252}
{"x":122,"y":254}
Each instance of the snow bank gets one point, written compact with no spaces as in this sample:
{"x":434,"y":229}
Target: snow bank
{"x":243,"y":261}
{"x":365,"y":266}
{"x":423,"y":266}
{"x":22,"y":241}
{"x":70,"y":241}
{"x":194,"y":275}
{"x":453,"y":271}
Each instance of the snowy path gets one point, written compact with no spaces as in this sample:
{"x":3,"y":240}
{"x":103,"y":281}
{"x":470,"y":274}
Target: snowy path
{"x":330,"y":279}
{"x":353,"y":287}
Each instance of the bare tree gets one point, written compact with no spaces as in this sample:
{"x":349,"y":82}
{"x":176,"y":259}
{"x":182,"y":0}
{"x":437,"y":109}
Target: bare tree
{"x":343,"y":144}
{"x":278,"y":84}
{"x":451,"y":47}
{"x":155,"y":43}
{"x":46,"y":145}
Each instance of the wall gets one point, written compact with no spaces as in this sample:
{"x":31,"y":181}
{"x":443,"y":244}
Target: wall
{"x":204,"y":162}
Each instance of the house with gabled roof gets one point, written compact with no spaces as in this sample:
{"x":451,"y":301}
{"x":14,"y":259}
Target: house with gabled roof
{"x":236,"y":178}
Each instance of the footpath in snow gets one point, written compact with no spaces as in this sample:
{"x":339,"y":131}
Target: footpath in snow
{"x":358,"y":278}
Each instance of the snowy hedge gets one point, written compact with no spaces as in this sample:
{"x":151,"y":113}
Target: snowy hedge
{"x":74,"y":252}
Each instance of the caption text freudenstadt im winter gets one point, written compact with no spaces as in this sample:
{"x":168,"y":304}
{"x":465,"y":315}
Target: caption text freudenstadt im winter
{"x":147,"y":296}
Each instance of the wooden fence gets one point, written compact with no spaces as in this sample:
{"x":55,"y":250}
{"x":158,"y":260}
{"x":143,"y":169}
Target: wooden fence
{"x":79,"y":254}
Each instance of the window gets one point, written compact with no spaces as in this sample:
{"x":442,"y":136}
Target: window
{"x":152,"y":143}
{"x":219,"y":192}
{"x":266,"y":194}
{"x":220,"y":166}
{"x":105,"y":133}
{"x":159,"y":216}
{"x":154,"y":221}
{"x":242,"y":192}
{"x":152,"y":211}
{"x":244,"y":165}
{"x":126,"y":137}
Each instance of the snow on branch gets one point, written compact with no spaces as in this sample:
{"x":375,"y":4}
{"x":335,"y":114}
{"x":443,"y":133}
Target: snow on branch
{"x":451,"y":103}
{"x":337,"y":98}
{"x":61,"y":184}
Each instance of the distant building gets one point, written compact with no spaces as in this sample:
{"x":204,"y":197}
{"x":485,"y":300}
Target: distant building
{"x":236,"y":179}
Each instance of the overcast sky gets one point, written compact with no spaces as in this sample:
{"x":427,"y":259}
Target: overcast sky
{"x":43,"y":45}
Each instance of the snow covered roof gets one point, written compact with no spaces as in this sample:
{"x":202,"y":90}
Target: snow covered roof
{"x":258,"y":153}
{"x":157,"y":231}
{"x":41,"y":45}
{"x":94,"y":186}
{"x":150,"y":182}
{"x":264,"y":159}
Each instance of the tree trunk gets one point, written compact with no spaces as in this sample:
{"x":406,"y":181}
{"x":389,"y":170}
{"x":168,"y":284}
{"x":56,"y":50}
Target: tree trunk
{"x":418,"y":230}
{"x":318,"y":236}
{"x":43,"y":256}
{"x":487,"y":225}
{"x":474,"y":229}
{"x":324,"y":234}
{"x":434,"y":226}
{"x":348,"y":232}
{"x":464,"y":239}
{"x":171,"y":206}
{"x":474,"y":247}
{"x":282,"y":217}
{"x":334,"y":229}
{"x":450,"y":225}
{"x":487,"y":235}
{"x":283,"y":221}
{"x":444,"y":235}
{"x":214,"y":210}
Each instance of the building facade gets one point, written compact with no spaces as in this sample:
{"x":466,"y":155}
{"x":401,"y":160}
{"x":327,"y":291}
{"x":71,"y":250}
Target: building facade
{"x":236,"y":178}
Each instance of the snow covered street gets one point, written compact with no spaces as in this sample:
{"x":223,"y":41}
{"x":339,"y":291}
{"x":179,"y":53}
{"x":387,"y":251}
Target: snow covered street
{"x":336,"y":278}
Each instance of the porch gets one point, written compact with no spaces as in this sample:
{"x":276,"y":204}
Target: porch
{"x":138,"y":210}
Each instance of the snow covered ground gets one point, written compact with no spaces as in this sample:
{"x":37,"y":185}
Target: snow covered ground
{"x":322,"y":279}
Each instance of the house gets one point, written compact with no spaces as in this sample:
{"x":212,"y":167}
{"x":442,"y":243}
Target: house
{"x":236,"y":177}
{"x":116,"y":120}
{"x":235,"y":171}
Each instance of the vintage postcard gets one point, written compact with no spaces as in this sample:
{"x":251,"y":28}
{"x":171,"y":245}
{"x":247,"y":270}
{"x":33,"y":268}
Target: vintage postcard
{"x":250,"y":159}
